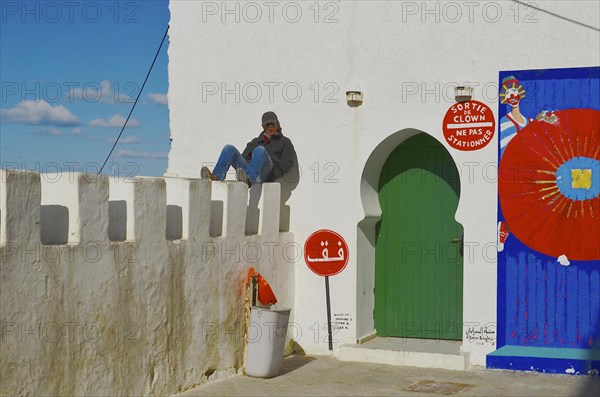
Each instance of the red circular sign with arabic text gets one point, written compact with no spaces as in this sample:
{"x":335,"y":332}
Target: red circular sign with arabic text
{"x":469,"y":125}
{"x":326,"y":252}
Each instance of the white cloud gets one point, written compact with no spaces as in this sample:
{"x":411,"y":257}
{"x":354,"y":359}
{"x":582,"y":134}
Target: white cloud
{"x":159,"y":99}
{"x":129,"y":139}
{"x":50,"y":131}
{"x":115,"y":121}
{"x":76,"y":131}
{"x":39,"y":113}
{"x":105,"y":92}
{"x":141,"y":155}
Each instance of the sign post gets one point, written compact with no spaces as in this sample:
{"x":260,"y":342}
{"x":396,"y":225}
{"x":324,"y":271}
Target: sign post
{"x":318,"y":259}
{"x":330,"y":336}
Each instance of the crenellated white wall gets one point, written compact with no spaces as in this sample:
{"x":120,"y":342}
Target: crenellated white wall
{"x":406,"y":57}
{"x":150,"y":314}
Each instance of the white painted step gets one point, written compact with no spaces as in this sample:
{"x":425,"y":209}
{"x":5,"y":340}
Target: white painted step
{"x":422,"y":353}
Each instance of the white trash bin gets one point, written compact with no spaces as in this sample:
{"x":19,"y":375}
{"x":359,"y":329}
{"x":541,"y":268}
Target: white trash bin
{"x":266,"y":341}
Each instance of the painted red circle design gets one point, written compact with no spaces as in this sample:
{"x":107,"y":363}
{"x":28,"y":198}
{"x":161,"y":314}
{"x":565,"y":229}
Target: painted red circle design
{"x":469,"y":125}
{"x":326,"y":253}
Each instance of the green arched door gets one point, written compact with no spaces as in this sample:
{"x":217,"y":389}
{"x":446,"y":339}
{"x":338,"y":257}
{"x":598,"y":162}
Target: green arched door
{"x":419,"y":262}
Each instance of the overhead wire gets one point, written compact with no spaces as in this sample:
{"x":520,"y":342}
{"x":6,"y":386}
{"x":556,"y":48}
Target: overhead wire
{"x":556,"y":15}
{"x":136,"y":99}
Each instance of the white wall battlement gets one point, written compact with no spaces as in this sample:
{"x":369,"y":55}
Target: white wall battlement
{"x":132,"y":287}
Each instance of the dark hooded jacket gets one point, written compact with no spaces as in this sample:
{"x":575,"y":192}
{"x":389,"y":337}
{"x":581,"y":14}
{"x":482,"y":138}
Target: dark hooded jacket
{"x":279,"y":148}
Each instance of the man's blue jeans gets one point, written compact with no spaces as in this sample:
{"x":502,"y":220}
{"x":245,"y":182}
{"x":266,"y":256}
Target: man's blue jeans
{"x":257,"y":170}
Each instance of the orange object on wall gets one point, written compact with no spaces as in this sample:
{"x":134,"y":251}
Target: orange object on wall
{"x":266,"y":296}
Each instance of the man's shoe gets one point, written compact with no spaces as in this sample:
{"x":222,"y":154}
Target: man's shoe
{"x":206,"y":174}
{"x":241,"y":176}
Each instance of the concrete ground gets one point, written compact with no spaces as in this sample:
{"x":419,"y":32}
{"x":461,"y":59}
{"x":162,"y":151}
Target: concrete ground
{"x":326,"y":376}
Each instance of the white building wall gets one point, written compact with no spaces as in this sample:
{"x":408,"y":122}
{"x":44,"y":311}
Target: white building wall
{"x":406,"y":57}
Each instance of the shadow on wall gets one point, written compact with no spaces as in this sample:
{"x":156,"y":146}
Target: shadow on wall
{"x":217,"y":207}
{"x":253,"y":212}
{"x":174,"y":222}
{"x":288,"y":183}
{"x":54,"y":224}
{"x":117,"y":220}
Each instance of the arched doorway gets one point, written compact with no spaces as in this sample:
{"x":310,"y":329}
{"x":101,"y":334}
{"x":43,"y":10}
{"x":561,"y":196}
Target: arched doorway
{"x":418,"y":245}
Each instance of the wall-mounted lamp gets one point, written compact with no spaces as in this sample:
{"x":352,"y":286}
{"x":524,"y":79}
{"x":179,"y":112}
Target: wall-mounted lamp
{"x":354,"y":98}
{"x":463,"y":93}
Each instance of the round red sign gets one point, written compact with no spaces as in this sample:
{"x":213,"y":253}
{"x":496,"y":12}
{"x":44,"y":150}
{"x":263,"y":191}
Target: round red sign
{"x":326,"y":253}
{"x":469,"y":125}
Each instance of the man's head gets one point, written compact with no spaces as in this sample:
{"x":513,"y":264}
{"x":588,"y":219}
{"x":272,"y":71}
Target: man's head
{"x":270,"y":123}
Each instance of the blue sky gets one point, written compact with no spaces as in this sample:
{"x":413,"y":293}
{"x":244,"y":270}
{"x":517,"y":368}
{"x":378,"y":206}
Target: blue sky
{"x":70,"y":72}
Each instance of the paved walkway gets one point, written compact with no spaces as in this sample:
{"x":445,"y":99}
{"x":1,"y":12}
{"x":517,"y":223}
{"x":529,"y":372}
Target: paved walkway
{"x":326,"y":376}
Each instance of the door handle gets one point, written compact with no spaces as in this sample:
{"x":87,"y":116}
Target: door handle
{"x":460,"y":241}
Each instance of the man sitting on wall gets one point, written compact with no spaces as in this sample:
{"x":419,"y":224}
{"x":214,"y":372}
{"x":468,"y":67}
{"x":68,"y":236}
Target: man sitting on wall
{"x":266,"y":158}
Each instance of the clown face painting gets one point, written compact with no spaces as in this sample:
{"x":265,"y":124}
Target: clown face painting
{"x":511,"y":92}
